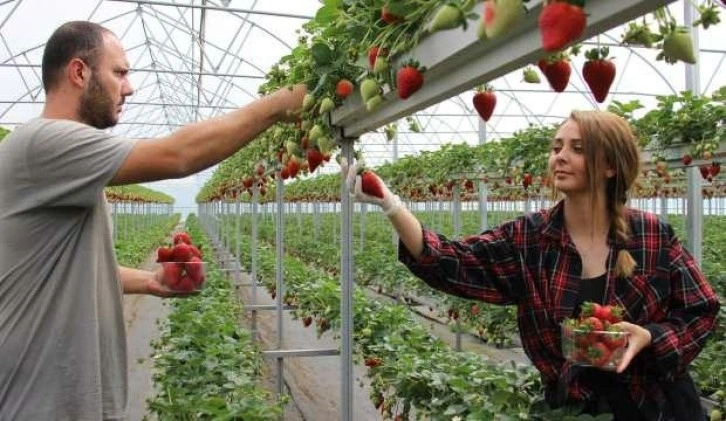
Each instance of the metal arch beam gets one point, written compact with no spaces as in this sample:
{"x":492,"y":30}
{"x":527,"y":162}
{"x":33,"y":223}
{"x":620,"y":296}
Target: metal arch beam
{"x":457,"y":60}
{"x":222,"y":9}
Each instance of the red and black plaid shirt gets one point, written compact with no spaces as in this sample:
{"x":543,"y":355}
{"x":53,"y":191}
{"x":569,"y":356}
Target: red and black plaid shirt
{"x":532,"y":262}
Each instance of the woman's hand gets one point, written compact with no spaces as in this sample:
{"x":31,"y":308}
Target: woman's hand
{"x":639,"y":338}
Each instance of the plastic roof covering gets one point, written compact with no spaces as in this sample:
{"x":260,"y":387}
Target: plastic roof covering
{"x":180,"y":79}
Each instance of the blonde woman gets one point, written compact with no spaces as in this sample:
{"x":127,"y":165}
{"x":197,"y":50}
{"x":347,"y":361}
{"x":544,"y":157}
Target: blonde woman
{"x":588,"y":247}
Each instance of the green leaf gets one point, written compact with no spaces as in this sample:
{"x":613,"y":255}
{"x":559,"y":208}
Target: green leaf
{"x":321,"y":54}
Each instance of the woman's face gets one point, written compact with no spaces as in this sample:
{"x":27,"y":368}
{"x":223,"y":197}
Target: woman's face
{"x":567,"y":160}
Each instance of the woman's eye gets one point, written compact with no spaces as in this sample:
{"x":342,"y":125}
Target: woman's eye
{"x":556,"y":148}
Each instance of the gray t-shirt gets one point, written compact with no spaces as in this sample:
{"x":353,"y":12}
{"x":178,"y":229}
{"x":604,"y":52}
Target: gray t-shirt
{"x":62,"y":338}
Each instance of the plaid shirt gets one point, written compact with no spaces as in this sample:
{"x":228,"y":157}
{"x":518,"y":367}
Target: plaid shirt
{"x":532,"y":262}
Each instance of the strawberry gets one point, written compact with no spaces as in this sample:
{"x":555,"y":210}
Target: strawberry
{"x":314,"y":158}
{"x":374,"y":102}
{"x":344,"y":88}
{"x":182,"y":252}
{"x":164,"y":254}
{"x":195,"y":251}
{"x":388,"y":17}
{"x":409,"y":79}
{"x":484,"y":102}
{"x":247,"y":182}
{"x":181,"y":237}
{"x":185,"y":284}
{"x":374,"y":53}
{"x":307,"y":321}
{"x":371,"y":184}
{"x":715,"y":169}
{"x":373,"y":362}
{"x":614,"y":339}
{"x":598,"y":72}
{"x":705,"y":172}
{"x":172,"y":274}
{"x":326,"y":105}
{"x":526,"y":180}
{"x":195,"y":270}
{"x":560,"y":23}
{"x":500,"y":16}
{"x":558,"y":73}
{"x":293,"y":166}
{"x":687,"y":159}
{"x":678,"y":45}
{"x":369,"y":88}
{"x":530,"y":76}
{"x":448,"y":16}
{"x":592,"y":323}
{"x":599,"y":354}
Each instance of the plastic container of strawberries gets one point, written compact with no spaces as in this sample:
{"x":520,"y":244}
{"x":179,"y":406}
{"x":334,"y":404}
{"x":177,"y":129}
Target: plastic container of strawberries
{"x":184,"y":276}
{"x":593,"y":348}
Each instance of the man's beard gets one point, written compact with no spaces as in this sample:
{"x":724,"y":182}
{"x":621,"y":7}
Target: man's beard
{"x":96,"y":108}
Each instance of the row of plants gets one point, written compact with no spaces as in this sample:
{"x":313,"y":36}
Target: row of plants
{"x":367,"y":45}
{"x":413,"y":375}
{"x":136,"y":193}
{"x":206,"y":366}
{"x":514,"y":168}
{"x":140,"y":239}
{"x":376,"y":266}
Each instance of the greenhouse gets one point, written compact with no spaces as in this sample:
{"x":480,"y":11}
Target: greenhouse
{"x":259,"y":276}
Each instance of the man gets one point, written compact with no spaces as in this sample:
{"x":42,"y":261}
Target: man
{"x":62,"y":339}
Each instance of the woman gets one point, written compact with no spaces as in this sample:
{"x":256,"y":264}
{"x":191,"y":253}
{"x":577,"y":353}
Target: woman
{"x":588,"y":247}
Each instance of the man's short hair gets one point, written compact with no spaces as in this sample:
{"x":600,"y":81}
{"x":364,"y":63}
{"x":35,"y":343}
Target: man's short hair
{"x":75,"y":39}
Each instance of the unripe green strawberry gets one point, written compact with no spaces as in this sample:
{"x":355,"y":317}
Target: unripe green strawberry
{"x":531,"y":75}
{"x":381,"y":65}
{"x":447,"y":17}
{"x":368,"y":89}
{"x":308,"y":101}
{"x":326,"y":105}
{"x":316,"y":133}
{"x":678,"y":46}
{"x":374,"y":102}
{"x":501,"y":15}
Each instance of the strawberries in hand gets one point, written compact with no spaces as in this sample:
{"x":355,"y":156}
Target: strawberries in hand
{"x":182,"y":264}
{"x":561,"y":23}
{"x":484,"y":102}
{"x":598,"y":72}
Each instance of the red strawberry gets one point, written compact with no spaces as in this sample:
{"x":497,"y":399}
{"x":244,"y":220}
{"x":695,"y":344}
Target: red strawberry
{"x":484,"y":102}
{"x":389,"y":17}
{"x":558,"y":74}
{"x":293,"y":166}
{"x":172,"y":274}
{"x":409,"y":80}
{"x":705,"y":171}
{"x":195,"y":270}
{"x":373,"y":53}
{"x":373,"y":362}
{"x":307,"y":321}
{"x":185,"y":285}
{"x":599,"y":73}
{"x":247,"y":182}
{"x":687,"y":159}
{"x":182,"y":252}
{"x":561,"y":23}
{"x":526,"y":180}
{"x":314,"y":158}
{"x":344,"y":88}
{"x":599,"y":354}
{"x":181,"y":237}
{"x":592,"y":323}
{"x":164,"y":254}
{"x":371,"y":184}
{"x":715,"y":169}
{"x":195,"y":251}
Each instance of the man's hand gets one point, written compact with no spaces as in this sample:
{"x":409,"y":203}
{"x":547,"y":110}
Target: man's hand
{"x":290,"y":100}
{"x":389,"y":202}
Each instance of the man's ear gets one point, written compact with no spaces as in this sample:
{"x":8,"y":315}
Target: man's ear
{"x":78,"y":72}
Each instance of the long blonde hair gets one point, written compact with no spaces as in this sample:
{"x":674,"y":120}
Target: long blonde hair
{"x":609,"y":143}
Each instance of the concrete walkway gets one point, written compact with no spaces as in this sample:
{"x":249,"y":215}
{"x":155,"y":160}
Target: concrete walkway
{"x":141,"y":313}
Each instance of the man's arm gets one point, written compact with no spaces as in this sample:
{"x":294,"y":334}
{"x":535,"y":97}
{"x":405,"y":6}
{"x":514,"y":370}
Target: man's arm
{"x":201,"y":145}
{"x":137,"y":281}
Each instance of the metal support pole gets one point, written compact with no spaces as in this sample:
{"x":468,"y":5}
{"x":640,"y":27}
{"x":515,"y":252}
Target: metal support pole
{"x":346,"y":294}
{"x":279,"y":274}
{"x":253,"y":257}
{"x":694,"y":214}
{"x":483,"y":193}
